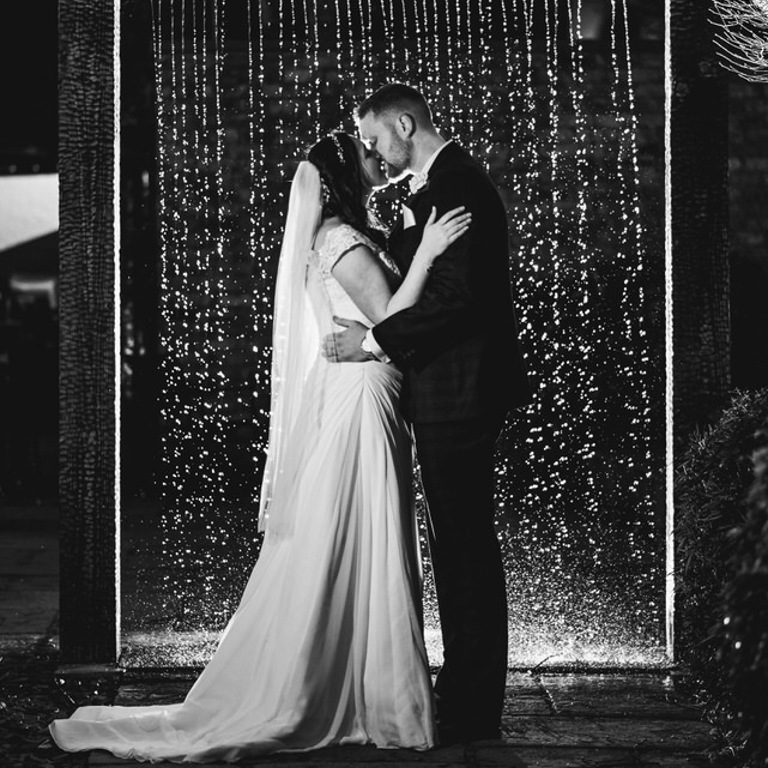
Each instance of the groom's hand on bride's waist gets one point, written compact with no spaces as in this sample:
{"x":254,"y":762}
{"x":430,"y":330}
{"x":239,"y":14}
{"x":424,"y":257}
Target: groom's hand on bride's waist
{"x":344,"y":346}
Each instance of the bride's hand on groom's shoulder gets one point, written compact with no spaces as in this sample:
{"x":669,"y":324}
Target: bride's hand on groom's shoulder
{"x":440,"y":234}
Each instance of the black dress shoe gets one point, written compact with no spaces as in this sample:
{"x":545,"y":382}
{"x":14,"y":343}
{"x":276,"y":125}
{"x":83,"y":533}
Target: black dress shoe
{"x":482,"y":733}
{"x":448,"y":735}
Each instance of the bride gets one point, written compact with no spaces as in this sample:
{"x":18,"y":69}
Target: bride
{"x":326,"y":646}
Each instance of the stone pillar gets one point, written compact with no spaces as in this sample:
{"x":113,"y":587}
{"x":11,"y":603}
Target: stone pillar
{"x":89,"y":615}
{"x":699,"y":199}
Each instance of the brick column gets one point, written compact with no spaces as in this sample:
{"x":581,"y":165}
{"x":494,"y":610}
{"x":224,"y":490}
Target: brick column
{"x":89,"y":617}
{"x":699,"y":179}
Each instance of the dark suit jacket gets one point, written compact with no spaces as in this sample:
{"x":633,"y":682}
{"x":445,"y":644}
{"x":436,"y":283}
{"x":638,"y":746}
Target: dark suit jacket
{"x":458,"y":345}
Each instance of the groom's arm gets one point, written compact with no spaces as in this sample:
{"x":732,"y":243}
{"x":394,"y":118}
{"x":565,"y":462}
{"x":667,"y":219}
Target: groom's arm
{"x":450,"y":307}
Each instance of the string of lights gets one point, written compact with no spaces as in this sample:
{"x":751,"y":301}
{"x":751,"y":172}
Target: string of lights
{"x":578,"y":470}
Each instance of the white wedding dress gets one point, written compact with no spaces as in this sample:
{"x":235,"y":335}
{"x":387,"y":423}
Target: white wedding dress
{"x":326,"y":646}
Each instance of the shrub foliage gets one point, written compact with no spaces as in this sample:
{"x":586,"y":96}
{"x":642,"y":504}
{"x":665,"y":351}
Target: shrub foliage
{"x":721,"y":499}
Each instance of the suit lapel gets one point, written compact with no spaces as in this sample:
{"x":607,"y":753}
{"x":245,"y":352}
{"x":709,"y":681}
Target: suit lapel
{"x":445,"y":157}
{"x":403,"y":243}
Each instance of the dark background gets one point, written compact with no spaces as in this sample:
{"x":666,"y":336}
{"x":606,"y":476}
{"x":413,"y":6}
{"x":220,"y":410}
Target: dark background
{"x":28,"y":325}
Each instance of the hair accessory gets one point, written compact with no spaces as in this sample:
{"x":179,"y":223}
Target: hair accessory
{"x":339,"y":150}
{"x":326,"y":192}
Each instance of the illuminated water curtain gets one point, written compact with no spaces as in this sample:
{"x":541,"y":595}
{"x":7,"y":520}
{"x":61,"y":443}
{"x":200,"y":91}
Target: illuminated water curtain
{"x":242,"y":89}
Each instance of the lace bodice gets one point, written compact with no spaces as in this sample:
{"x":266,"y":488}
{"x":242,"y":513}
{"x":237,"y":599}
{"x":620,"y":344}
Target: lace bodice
{"x":339,"y":241}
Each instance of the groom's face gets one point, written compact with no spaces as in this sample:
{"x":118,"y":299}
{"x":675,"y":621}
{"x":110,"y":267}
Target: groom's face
{"x":381,"y":134}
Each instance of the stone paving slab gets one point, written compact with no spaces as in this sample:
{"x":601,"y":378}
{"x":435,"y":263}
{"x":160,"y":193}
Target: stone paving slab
{"x":675,"y":760}
{"x":21,"y":641}
{"x":525,"y":696}
{"x":645,"y":695}
{"x":26,"y":538}
{"x":577,"y":757}
{"x":27,"y":611}
{"x":31,"y":558}
{"x":37,"y":514}
{"x":19,"y":581}
{"x":616,"y":733}
{"x":151,"y":693}
{"x":524,"y":682}
{"x":526,"y":705}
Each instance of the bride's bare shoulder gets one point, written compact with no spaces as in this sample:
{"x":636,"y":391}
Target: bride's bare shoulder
{"x":328,"y":230}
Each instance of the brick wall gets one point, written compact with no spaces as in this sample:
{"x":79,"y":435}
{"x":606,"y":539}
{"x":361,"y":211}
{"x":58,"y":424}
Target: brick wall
{"x":748,"y":230}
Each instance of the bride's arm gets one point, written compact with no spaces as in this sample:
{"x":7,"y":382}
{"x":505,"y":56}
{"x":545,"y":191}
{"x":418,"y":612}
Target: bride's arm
{"x":361,"y":274}
{"x":437,"y":236}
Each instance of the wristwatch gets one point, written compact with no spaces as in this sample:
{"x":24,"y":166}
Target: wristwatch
{"x":366,"y":347}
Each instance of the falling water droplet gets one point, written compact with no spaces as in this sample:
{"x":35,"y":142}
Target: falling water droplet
{"x":579,"y":265}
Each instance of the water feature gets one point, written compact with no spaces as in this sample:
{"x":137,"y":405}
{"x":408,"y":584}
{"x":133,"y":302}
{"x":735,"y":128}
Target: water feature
{"x":241,"y":90}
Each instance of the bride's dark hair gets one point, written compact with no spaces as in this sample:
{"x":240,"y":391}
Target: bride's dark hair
{"x":335,"y":156}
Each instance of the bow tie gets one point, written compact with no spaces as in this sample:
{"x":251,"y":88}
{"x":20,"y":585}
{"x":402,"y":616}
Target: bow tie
{"x":417,"y":181}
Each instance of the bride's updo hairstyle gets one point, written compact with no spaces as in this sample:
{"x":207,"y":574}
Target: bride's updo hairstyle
{"x":341,"y":176}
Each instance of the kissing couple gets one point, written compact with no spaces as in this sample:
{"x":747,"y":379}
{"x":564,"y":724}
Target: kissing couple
{"x":388,"y":346}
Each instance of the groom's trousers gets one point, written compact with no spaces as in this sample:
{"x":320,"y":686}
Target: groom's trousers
{"x":456,"y":461}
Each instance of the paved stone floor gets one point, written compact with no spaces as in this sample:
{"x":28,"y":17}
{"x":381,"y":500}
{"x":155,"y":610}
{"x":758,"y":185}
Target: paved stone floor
{"x":551,"y":719}
{"x":29,"y":570}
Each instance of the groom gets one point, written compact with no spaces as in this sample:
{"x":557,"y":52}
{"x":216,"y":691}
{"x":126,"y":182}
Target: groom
{"x":458,"y":347}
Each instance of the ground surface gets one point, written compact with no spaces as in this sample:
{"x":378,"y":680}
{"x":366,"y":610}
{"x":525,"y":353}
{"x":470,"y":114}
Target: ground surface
{"x":625,"y":719}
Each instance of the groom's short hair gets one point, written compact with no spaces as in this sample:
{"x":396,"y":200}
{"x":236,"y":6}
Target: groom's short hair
{"x":396,"y":97}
